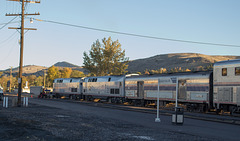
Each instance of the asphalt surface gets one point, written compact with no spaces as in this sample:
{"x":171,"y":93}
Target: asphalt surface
{"x":58,"y":120}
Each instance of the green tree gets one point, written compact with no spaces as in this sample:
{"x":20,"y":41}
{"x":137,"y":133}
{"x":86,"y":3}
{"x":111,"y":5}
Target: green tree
{"x":31,"y":80}
{"x":38,"y":81}
{"x":3,"y":82}
{"x":65,"y":72}
{"x":76,"y":74}
{"x":52,"y":74}
{"x":106,"y":59}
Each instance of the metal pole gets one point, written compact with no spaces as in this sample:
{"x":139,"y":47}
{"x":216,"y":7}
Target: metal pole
{"x":176,"y":103}
{"x":158,"y":119}
{"x":4,"y":101}
{"x":26,"y":101}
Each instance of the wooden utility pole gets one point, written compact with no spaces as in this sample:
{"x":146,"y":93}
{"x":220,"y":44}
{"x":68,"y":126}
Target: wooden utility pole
{"x":44,"y":78}
{"x":21,"y":42}
{"x":10,"y":84}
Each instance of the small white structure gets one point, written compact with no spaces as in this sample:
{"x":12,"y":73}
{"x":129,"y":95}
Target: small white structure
{"x":26,"y":87}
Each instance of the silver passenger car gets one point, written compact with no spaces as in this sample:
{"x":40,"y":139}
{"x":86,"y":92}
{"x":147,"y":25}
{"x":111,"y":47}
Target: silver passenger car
{"x":227,"y":85}
{"x":104,"y":87}
{"x":192,"y":88}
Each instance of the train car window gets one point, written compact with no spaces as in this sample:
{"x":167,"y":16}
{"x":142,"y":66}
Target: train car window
{"x":111,"y":91}
{"x":73,"y":89}
{"x":71,"y":81}
{"x":59,"y":81}
{"x":224,"y":71}
{"x":109,"y":79}
{"x":237,"y":71}
{"x":116,"y":91}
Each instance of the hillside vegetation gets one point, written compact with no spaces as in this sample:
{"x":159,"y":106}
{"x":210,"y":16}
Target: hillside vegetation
{"x":191,"y":61}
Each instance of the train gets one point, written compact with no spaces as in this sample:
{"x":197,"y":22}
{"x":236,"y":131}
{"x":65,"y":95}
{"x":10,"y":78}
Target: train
{"x":217,"y":90}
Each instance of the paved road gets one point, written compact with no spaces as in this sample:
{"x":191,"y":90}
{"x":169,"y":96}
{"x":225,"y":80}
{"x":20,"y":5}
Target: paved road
{"x":206,"y":129}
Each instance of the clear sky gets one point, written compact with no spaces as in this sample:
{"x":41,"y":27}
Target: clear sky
{"x":214,"y":21}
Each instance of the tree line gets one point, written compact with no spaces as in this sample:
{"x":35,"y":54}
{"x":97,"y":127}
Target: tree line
{"x":177,"y":69}
{"x":51,"y":74}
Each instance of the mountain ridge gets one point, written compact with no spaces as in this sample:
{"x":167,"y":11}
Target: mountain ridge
{"x":184,"y":61}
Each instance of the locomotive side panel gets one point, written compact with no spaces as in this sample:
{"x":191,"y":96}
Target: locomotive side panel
{"x":69,"y":87}
{"x":104,"y":87}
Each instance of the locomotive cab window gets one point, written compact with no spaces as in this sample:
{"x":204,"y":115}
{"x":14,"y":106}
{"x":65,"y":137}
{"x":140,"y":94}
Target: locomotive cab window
{"x":111,"y":91}
{"x":237,"y":71}
{"x":224,"y":71}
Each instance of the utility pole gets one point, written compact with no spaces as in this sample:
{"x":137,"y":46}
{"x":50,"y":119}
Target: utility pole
{"x":21,"y":42}
{"x":10,"y":80}
{"x":44,"y":78}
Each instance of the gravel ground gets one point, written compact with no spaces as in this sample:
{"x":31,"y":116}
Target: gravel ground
{"x":44,"y":123}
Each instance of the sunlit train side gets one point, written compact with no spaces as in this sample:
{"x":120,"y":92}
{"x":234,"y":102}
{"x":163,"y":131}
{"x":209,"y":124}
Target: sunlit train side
{"x":194,"y":89}
{"x":69,"y":87}
{"x":110,"y":88}
{"x":218,"y":89}
{"x":226,"y":83}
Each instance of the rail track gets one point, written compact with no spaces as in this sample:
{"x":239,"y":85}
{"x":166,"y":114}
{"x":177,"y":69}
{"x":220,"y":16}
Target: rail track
{"x":228,"y":119}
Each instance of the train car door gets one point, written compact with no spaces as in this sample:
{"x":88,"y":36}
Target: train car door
{"x":182,"y":90}
{"x":140,"y":89}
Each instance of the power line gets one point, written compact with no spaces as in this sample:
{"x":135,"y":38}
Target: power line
{"x":10,"y":51}
{"x":8,"y":38}
{"x":142,"y":36}
{"x":8,"y":23}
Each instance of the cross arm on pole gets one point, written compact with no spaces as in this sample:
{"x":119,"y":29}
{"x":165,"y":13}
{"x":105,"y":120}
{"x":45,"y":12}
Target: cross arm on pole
{"x":29,"y":1}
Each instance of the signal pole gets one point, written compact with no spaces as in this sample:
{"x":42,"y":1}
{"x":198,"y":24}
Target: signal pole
{"x":21,"y":42}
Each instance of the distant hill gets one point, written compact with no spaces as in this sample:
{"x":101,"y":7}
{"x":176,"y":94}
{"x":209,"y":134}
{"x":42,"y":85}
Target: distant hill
{"x":170,"y":61}
{"x":27,"y":70}
{"x":190,"y":61}
{"x":65,"y":64}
